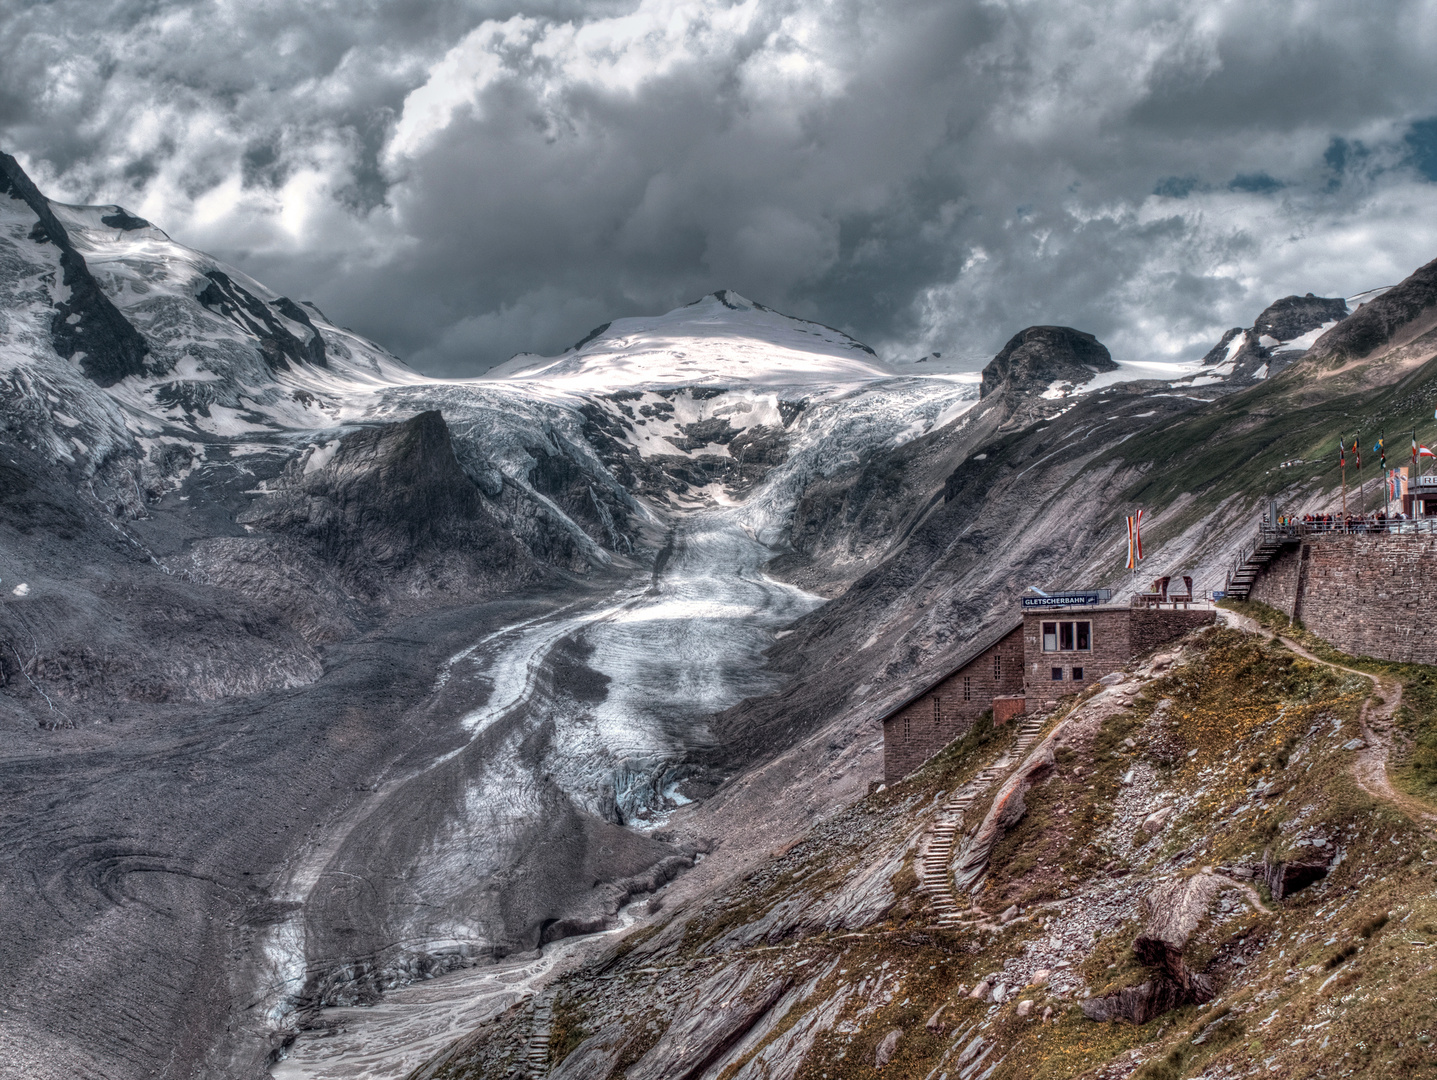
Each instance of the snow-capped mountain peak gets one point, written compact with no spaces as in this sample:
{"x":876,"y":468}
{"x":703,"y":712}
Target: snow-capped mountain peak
{"x":722,"y":339}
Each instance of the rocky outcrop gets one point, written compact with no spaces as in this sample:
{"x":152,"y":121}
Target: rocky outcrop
{"x":1172,"y":912}
{"x":1036,"y":358}
{"x":1398,"y":317}
{"x":1293,"y":316}
{"x":1264,"y":349}
{"x":721,"y":1011}
{"x":1007,"y":810}
{"x":1283,"y":878}
{"x":272,"y":325}
{"x":85,"y":324}
{"x":393,"y":512}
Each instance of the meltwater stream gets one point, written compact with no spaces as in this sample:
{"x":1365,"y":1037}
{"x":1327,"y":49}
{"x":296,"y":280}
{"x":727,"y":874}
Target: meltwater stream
{"x":620,"y":690}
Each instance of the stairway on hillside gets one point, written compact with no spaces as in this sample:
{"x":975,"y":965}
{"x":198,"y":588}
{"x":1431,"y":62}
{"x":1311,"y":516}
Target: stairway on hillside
{"x":943,"y":834}
{"x":536,"y":1058}
{"x":1263,"y":552}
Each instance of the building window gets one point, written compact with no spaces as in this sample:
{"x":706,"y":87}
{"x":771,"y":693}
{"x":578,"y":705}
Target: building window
{"x":967,"y":687}
{"x":907,"y":727}
{"x":1057,"y":674}
{"x":1067,"y":637}
{"x":937,"y":713}
{"x":997,"y":666}
{"x":1077,"y":674}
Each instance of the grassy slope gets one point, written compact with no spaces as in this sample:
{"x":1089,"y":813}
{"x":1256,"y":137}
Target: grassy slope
{"x":1246,"y":738}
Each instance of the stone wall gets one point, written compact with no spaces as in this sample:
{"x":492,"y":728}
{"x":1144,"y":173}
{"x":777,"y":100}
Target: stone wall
{"x":947,"y":711}
{"x":1367,"y":595}
{"x":1016,"y":664}
{"x":1118,"y":635}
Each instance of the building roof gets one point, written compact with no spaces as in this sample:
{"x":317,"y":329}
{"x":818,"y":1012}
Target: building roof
{"x":974,"y":648}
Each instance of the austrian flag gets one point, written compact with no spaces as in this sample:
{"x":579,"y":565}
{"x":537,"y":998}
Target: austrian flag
{"x":1135,"y":539}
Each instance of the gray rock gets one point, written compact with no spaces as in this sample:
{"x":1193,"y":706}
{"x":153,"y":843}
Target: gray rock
{"x":718,"y":1014}
{"x":886,"y":1047}
{"x":1040,"y":355}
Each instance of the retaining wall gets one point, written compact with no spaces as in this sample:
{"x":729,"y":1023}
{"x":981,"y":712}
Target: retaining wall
{"x":1367,"y":595}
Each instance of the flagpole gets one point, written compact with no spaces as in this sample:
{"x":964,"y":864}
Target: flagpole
{"x":1386,"y":487}
{"x":1342,"y":460}
{"x":1361,"y":481}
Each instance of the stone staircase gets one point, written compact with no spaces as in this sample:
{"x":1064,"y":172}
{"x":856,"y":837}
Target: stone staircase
{"x":943,"y":834}
{"x":536,"y":1058}
{"x":1252,"y":563}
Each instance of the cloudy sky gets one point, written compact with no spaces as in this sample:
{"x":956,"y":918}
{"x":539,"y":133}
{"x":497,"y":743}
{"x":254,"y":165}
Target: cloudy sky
{"x":466,"y":179}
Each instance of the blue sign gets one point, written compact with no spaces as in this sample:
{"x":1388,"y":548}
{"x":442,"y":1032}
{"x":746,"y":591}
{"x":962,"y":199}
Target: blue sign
{"x":1067,"y":599}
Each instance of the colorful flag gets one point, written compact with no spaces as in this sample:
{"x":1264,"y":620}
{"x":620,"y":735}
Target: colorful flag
{"x":1422,"y":451}
{"x":1356,"y":453}
{"x":1396,"y":483}
{"x":1414,"y":448}
{"x":1135,"y":539}
{"x":1381,"y":449}
{"x":1342,"y":453}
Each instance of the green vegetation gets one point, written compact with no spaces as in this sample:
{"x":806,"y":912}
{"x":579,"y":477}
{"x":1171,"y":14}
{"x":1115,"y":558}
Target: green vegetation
{"x":1413,"y":766}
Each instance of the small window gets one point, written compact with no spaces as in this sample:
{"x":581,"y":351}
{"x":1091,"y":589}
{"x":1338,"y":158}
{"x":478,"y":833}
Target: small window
{"x":1057,"y":674}
{"x":967,"y":687}
{"x":1085,"y":635}
{"x":1050,"y":637}
{"x":907,"y":727}
{"x":1077,"y":674}
{"x":937,"y":714}
{"x":1065,"y":636}
{"x":997,"y":666}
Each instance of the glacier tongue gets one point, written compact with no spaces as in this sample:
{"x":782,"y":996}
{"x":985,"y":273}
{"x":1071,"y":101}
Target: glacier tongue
{"x":654,"y":469}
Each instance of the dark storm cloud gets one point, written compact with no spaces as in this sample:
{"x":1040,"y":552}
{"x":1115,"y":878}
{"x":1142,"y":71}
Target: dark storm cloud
{"x":466,"y":180}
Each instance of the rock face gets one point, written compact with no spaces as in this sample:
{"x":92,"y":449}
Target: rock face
{"x":721,"y":1011}
{"x":1280,"y":335}
{"x":86,"y":322}
{"x":1039,"y":356}
{"x":1172,"y":911}
{"x":279,"y":342}
{"x":1293,"y":316}
{"x":1403,"y":315}
{"x":392,"y":511}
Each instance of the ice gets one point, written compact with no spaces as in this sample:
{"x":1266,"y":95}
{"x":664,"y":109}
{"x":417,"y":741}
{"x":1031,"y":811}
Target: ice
{"x":1307,"y":340}
{"x":721,"y":339}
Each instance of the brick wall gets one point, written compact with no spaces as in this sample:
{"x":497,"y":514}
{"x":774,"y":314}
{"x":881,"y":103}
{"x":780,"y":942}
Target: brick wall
{"x":1017,"y":665}
{"x":1367,"y":595}
{"x":946,"y":712}
{"x":1118,"y":635}
{"x":1152,"y":627}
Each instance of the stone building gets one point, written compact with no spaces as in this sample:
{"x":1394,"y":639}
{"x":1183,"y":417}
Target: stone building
{"x":1038,"y":656}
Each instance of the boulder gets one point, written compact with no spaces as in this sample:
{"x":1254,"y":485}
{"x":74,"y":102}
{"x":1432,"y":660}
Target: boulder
{"x":1285,"y":878}
{"x":886,"y":1047}
{"x":1154,"y":822}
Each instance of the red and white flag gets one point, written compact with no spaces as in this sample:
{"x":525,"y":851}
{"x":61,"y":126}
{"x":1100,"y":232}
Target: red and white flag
{"x":1422,"y":451}
{"x":1135,"y":539}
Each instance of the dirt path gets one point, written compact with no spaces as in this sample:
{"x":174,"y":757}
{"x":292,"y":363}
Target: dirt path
{"x":1370,"y":765}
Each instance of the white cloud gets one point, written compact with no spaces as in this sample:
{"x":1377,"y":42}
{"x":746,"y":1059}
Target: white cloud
{"x":459,"y":178}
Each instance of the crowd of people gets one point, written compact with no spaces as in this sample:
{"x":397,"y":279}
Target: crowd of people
{"x":1378,"y":521}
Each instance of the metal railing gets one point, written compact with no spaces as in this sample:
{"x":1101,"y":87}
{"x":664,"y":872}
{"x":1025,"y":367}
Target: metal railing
{"x":1327,"y":525}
